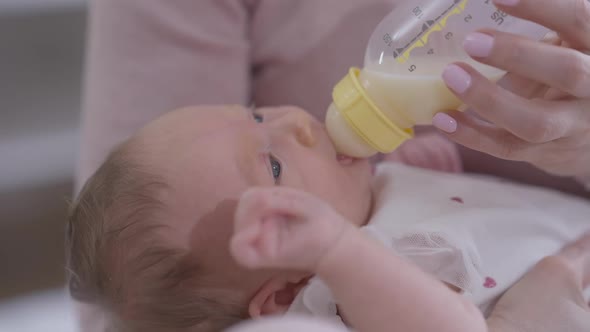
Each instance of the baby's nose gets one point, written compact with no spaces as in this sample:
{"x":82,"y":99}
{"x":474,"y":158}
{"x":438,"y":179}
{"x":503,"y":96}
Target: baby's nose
{"x":300,"y":124}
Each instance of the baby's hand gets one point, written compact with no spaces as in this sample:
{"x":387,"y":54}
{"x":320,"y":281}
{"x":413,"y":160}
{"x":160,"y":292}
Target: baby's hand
{"x":431,"y":151}
{"x":282,"y":227}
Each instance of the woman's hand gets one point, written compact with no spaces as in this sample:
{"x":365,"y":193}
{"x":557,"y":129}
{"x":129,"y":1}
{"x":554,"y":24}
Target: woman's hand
{"x":539,"y":112}
{"x":550,"y":297}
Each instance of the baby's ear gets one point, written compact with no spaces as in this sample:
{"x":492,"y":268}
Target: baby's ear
{"x":275,"y":296}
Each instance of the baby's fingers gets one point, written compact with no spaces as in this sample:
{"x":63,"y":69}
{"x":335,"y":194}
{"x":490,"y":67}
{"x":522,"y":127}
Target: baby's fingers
{"x":243,"y":246}
{"x":268,"y":202}
{"x":257,"y":245}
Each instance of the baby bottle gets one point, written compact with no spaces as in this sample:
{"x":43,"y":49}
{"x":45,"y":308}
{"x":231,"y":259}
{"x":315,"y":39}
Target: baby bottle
{"x":375,"y":109}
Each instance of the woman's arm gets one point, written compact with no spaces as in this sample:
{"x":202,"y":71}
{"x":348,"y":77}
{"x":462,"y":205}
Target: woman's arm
{"x":146,"y":57}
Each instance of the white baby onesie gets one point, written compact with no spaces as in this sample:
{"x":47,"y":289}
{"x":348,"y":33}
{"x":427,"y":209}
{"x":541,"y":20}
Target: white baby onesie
{"x":480,"y":234}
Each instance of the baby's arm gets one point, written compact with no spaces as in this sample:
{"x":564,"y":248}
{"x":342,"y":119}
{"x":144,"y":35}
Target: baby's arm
{"x":375,"y":289}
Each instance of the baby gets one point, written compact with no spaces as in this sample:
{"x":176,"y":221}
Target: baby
{"x":150,"y":234}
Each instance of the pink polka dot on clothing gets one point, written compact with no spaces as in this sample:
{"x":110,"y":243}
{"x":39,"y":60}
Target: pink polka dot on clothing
{"x":457,"y":199}
{"x":490,"y":283}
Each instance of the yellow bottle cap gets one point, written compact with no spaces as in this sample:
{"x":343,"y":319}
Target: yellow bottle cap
{"x":364,"y":117}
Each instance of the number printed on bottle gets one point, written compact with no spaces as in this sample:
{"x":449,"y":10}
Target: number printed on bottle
{"x":498,"y":16}
{"x":418,"y":12}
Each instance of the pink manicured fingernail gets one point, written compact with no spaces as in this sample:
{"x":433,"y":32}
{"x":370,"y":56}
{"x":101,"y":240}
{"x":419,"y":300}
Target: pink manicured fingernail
{"x":456,"y":78}
{"x":506,"y":2}
{"x":478,"y":44}
{"x":445,"y":123}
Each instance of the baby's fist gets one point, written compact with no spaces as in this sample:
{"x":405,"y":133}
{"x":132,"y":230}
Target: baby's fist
{"x":430,"y":151}
{"x":281,"y":227}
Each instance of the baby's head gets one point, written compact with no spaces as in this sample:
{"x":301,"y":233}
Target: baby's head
{"x":148,"y":235}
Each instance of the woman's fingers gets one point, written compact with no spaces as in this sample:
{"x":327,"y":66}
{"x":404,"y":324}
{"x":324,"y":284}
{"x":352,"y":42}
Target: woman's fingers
{"x":570,"y":18}
{"x":578,"y":255}
{"x":481,"y":136}
{"x":549,"y":297}
{"x":569,"y":70}
{"x":567,"y":272}
{"x":524,"y":86}
{"x":521,"y":86}
{"x":534,"y":121}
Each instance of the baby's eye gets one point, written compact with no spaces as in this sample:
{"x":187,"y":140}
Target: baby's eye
{"x":258,"y":117}
{"x":276,"y":168}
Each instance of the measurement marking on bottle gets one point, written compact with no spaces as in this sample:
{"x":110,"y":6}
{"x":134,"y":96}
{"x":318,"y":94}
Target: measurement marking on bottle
{"x":402,"y":54}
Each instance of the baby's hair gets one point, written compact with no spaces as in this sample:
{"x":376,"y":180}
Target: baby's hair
{"x":119,"y":262}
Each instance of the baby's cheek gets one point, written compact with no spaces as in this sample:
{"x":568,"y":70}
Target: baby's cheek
{"x":340,"y":313}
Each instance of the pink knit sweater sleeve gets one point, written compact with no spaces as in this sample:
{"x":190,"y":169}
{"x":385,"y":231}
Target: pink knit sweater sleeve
{"x":146,"y":57}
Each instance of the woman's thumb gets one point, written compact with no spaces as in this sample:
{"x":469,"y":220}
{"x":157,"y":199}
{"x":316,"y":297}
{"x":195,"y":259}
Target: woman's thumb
{"x":577,"y":255}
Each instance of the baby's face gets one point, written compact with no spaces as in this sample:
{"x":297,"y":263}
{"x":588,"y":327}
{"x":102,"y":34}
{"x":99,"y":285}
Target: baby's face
{"x":211,"y":155}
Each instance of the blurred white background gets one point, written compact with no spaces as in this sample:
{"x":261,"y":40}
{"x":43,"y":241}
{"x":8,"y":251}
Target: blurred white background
{"x":41,"y":57}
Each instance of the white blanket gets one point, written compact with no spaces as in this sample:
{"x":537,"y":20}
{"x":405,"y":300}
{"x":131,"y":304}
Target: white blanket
{"x":479,"y":234}
{"x":44,"y":311}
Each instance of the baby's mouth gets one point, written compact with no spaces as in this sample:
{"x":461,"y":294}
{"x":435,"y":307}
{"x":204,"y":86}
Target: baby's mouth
{"x":345,"y":160}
